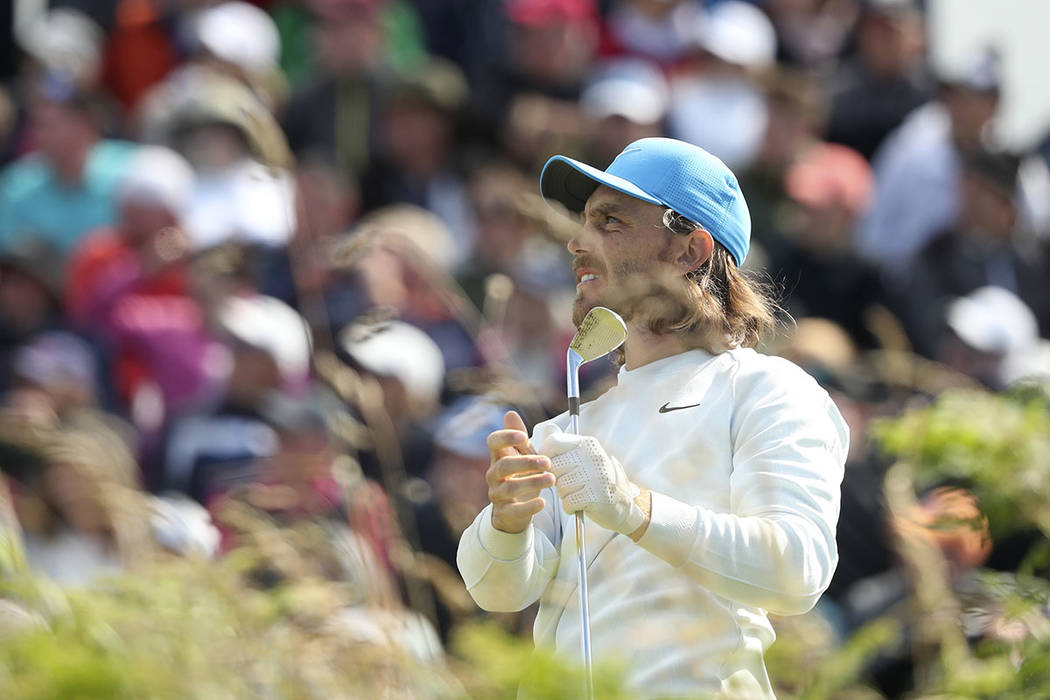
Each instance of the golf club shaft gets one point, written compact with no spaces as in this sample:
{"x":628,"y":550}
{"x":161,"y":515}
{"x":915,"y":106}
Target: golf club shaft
{"x":573,"y":379}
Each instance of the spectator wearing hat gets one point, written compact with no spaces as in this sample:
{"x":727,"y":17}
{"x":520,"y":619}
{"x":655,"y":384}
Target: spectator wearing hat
{"x":128,"y":285}
{"x":416,"y":161}
{"x":68,"y":185}
{"x":216,"y":445}
{"x":983,"y":247}
{"x":990,"y":334}
{"x":244,"y":191}
{"x":716,"y":100}
{"x":233,"y":40}
{"x":624,"y":99}
{"x":918,"y":168}
{"x":400,"y":259}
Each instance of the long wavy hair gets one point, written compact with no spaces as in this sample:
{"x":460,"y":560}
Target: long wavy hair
{"x":717,"y":307}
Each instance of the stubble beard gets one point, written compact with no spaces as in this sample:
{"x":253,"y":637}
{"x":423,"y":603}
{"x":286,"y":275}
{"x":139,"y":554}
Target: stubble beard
{"x":611,"y":295}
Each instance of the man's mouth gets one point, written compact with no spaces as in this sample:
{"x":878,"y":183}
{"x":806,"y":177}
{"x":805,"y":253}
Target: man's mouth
{"x":584,"y":273}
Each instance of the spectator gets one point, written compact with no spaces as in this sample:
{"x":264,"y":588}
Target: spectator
{"x":982,"y":248}
{"x":231,"y":41}
{"x":417,"y":161}
{"x":409,"y":371}
{"x":140,"y":52}
{"x":625,"y":100}
{"x":794,"y":124}
{"x":67,"y":42}
{"x":404,"y":360}
{"x":128,"y":285}
{"x":302,"y":274}
{"x":337,"y":114}
{"x":239,"y":40}
{"x":68,"y":187}
{"x":402,"y":258}
{"x":918,"y":168}
{"x":61,"y":368}
{"x":244,"y":190}
{"x":30,"y":297}
{"x":95,"y":519}
{"x":873,"y":91}
{"x":662,"y":31}
{"x":527,"y":101}
{"x":736,"y":42}
{"x":218,"y":444}
{"x":988,"y":332}
{"x":831,"y":187}
{"x":811,"y":33}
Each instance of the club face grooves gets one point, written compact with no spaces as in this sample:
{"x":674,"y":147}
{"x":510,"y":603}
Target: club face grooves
{"x":601,"y":331}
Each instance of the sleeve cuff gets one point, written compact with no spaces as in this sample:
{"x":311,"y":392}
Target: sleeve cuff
{"x":505,"y":546}
{"x":671,"y":531}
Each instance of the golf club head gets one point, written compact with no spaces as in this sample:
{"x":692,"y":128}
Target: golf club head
{"x":601,"y":331}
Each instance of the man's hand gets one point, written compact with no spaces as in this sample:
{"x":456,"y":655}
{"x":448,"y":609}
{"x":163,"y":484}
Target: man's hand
{"x":515,"y":476}
{"x":589,"y":479}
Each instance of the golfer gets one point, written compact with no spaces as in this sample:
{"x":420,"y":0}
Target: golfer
{"x":709,"y":475}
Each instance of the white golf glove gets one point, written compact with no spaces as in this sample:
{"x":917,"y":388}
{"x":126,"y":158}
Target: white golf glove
{"x":590,"y":480}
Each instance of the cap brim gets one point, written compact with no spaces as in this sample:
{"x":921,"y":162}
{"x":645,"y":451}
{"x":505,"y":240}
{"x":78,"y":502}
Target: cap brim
{"x":571,"y":183}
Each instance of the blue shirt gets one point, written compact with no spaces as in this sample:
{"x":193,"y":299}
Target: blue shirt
{"x":33,"y":202}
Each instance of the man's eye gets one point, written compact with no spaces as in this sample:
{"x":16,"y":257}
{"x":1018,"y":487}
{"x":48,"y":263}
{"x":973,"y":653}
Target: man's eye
{"x":611,"y":219}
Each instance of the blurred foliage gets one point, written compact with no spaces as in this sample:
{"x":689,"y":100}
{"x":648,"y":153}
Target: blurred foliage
{"x":196,"y":629}
{"x":807,"y":662}
{"x":997,"y":445}
{"x":969,"y":634}
{"x":509,"y":665}
{"x":185,"y":628}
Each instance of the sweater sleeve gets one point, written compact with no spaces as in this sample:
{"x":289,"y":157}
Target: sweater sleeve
{"x":508,"y":572}
{"x":776,"y":548}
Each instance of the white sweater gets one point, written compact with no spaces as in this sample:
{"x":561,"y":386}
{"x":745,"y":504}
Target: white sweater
{"x":744,"y":455}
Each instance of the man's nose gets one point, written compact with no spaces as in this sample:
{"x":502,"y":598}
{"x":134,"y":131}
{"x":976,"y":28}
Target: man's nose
{"x":576,"y":244}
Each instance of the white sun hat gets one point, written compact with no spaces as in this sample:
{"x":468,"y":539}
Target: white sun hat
{"x":739,"y":33}
{"x":272,"y":326}
{"x":158,"y":176}
{"x":241,"y":34}
{"x":631,"y":88}
{"x":993,"y":320}
{"x":400,"y":351}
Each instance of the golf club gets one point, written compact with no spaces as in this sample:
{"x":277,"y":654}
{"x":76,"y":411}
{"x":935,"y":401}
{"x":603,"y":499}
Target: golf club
{"x":600,"y":332}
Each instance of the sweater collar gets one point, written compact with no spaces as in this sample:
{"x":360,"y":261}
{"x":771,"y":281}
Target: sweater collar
{"x":656,"y":370}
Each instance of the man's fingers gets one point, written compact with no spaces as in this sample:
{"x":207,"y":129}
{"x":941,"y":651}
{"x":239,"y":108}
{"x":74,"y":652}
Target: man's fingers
{"x":520,"y":487}
{"x":512,"y":421}
{"x":504,"y":442}
{"x":517,"y":465}
{"x":525,"y":509}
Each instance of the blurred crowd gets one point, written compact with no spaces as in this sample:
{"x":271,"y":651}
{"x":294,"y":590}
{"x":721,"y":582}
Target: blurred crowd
{"x":289,"y":256}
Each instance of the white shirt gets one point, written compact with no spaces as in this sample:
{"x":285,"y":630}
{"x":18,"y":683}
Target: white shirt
{"x":917,"y":173}
{"x":744,"y":455}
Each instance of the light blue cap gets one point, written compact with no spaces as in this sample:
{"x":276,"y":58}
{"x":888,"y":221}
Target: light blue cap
{"x":665,"y":172}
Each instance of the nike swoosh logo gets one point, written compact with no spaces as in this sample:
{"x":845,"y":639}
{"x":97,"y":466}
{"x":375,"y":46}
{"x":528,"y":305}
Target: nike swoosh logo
{"x":667,"y":409}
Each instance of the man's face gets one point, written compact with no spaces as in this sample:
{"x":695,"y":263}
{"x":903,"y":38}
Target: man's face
{"x":620,"y":237}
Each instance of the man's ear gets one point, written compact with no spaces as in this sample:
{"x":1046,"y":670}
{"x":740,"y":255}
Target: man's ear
{"x":694,"y":250}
